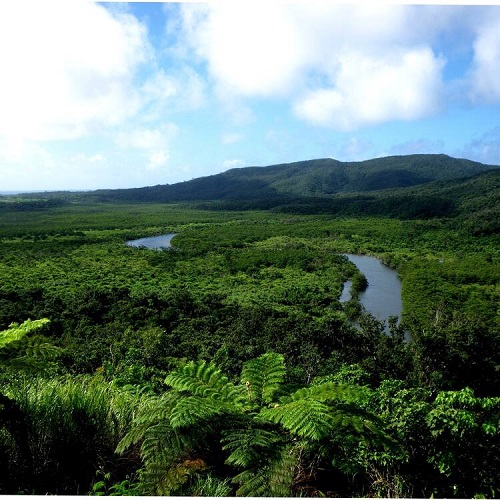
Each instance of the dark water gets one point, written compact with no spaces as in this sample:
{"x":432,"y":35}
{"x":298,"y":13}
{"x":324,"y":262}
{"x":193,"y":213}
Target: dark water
{"x":382,"y":297}
{"x":153,"y":243}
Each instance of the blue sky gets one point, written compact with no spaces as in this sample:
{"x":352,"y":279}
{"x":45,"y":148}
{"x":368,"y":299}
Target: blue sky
{"x":117,"y":95}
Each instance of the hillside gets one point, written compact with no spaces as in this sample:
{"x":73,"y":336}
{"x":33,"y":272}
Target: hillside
{"x":313,"y":178}
{"x":405,"y":187}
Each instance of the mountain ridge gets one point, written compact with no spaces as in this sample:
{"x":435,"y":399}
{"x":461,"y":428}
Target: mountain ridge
{"x":323,"y":177}
{"x":404,"y":186}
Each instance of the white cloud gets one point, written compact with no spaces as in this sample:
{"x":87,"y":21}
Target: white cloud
{"x":147,"y":138}
{"x":354,"y":149}
{"x":485,"y":82}
{"x":157,"y":159}
{"x":343,"y":66}
{"x":151,"y":144}
{"x":250,"y":49}
{"x":97,"y":158}
{"x":182,"y":90}
{"x":67,"y":68}
{"x":369,"y":90}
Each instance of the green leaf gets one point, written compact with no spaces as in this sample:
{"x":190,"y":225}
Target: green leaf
{"x":16,"y":332}
{"x":205,"y":380}
{"x":263,"y":376}
{"x":305,"y":418}
{"x":192,"y":410}
{"x":249,"y":446}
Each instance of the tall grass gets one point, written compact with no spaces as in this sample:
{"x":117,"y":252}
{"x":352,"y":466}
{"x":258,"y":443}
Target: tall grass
{"x":73,"y":426}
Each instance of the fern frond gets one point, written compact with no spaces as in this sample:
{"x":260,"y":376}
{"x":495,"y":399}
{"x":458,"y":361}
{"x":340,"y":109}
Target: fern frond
{"x":282,"y":472}
{"x":192,"y":410}
{"x":157,"y":480}
{"x":329,"y":392}
{"x":162,"y":450}
{"x":349,"y":419}
{"x":305,"y":418}
{"x":273,"y":479}
{"x":152,"y":410}
{"x":205,"y":380}
{"x":248,"y":446}
{"x":17,"y":331}
{"x":263,"y":376}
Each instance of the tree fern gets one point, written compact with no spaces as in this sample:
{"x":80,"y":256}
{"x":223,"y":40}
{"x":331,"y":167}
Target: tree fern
{"x":162,"y":449}
{"x":263,"y":376}
{"x":249,"y":445}
{"x":19,"y":351}
{"x":192,"y":410}
{"x":262,"y":434}
{"x":330,"y":392}
{"x":205,"y":380}
{"x":305,"y":418}
{"x":16,"y":332}
{"x":152,"y":410}
{"x":273,"y":478}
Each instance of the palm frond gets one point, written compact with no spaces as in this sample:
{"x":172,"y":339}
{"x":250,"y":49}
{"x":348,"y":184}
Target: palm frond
{"x":263,"y":376}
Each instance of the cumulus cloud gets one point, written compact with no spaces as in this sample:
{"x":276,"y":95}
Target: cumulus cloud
{"x":153,"y":144}
{"x":343,"y":66}
{"x":67,"y":68}
{"x":182,"y":90}
{"x":369,"y":90}
{"x":484,"y":81}
{"x":250,"y":50}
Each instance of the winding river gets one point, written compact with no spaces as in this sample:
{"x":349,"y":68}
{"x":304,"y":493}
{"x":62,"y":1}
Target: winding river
{"x":382,"y":297}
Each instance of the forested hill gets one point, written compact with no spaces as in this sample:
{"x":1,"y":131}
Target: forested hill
{"x":307,"y":179}
{"x":406,"y":187}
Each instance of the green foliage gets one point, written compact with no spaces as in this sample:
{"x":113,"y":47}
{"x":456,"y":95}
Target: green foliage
{"x":210,"y":486}
{"x":204,"y":380}
{"x":70,"y":424}
{"x":447,"y":443}
{"x":264,"y":437}
{"x":20,"y":352}
{"x":240,"y":285}
{"x":263,"y":377}
{"x":16,"y":332}
{"x":127,"y":487}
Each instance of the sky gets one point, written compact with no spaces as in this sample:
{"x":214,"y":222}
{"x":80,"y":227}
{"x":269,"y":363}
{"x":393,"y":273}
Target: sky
{"x":120,"y":95}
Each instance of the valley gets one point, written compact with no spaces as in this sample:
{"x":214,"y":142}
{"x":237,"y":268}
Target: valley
{"x":227,"y":364}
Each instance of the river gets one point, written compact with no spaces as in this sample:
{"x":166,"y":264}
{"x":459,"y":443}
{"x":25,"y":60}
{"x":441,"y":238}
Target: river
{"x":382,"y":297}
{"x":153,"y":243}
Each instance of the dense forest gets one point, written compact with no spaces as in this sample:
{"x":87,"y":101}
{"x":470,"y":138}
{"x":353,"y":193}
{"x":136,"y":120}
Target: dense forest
{"x":226,"y":365}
